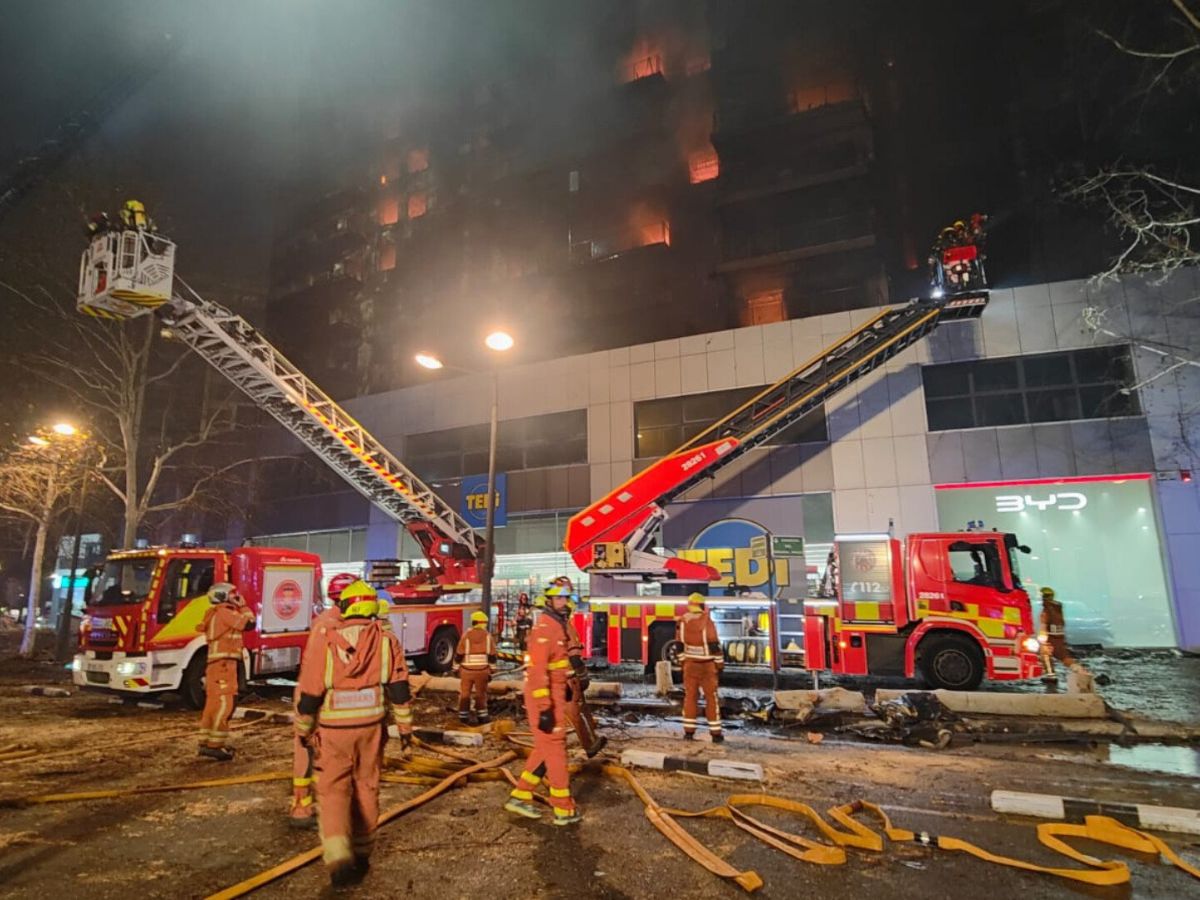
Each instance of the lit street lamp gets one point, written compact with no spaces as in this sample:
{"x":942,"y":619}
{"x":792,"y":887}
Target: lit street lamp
{"x":498,"y":341}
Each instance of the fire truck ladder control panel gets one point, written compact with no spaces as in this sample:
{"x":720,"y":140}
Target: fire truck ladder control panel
{"x":114,"y":285}
{"x":612,"y":536}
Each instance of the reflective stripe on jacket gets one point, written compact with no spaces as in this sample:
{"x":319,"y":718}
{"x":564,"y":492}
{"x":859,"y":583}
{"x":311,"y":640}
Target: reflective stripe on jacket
{"x":696,"y":631}
{"x":476,"y":649}
{"x":548,"y":662}
{"x":223,"y":625}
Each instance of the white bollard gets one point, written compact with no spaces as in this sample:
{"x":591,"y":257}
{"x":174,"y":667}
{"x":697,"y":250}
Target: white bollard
{"x":1138,"y":815}
{"x":717,"y":768}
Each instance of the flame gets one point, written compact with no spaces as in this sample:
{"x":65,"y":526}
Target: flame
{"x":387,"y":256}
{"x":762,"y":308}
{"x":644,"y":60}
{"x":703,"y":165}
{"x":417,"y":205}
{"x":388,"y":210}
{"x":648,"y":225}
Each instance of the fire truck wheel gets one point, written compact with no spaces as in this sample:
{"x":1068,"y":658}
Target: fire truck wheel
{"x":440,"y":657}
{"x":662,"y":636}
{"x":192,"y":686}
{"x":951,"y":661}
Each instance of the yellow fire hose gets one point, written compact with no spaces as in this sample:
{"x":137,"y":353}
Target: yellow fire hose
{"x":303,"y":859}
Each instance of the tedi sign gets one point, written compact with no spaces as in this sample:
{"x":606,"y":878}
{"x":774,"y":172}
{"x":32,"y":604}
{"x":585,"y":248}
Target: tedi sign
{"x":726,"y":546}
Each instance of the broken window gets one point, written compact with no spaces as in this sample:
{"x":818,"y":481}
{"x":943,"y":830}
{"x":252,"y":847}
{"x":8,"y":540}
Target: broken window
{"x":417,"y":204}
{"x":703,"y":165}
{"x":388,"y":210}
{"x":418,"y":159}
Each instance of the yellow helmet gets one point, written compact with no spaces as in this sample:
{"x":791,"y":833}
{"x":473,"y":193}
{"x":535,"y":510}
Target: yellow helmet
{"x":358,"y":599}
{"x":383,"y":604}
{"x":479,"y":617}
{"x":695,"y":601}
{"x":1047,"y":593}
{"x":539,"y":602}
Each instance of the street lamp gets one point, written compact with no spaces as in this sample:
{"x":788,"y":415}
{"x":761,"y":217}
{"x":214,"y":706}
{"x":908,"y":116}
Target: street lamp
{"x":498,"y":341}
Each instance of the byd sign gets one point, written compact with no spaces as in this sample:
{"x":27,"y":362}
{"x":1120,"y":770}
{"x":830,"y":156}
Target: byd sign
{"x":1067,"y":501}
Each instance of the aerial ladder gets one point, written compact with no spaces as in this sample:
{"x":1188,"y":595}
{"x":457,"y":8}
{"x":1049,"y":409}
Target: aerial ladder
{"x":612,"y":538}
{"x":130,"y":273}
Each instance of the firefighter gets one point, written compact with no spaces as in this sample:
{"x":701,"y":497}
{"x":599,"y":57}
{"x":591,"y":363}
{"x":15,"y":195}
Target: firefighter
{"x":702,"y":663}
{"x":577,"y":711}
{"x":303,"y":812}
{"x":133,"y":216}
{"x":351,"y":673}
{"x":100,"y":223}
{"x":524,"y":620}
{"x":1053,"y":636}
{"x":545,"y":704}
{"x":475,"y":659}
{"x":223,"y":624}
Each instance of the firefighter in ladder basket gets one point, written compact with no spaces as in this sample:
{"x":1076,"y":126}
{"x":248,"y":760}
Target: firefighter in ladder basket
{"x":352,"y":672}
{"x":702,"y":664}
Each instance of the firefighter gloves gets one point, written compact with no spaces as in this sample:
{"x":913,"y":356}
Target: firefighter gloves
{"x":545,"y":721}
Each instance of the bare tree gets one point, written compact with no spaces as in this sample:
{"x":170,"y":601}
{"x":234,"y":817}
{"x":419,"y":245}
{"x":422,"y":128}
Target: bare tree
{"x":172,"y":436}
{"x":35,"y":484}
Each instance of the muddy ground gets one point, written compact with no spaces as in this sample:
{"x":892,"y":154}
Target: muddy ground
{"x":190,"y":844}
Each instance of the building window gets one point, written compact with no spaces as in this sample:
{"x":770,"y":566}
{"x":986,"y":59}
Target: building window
{"x":703,"y":165}
{"x":534,"y":442}
{"x":762,"y":309}
{"x":387,"y":256}
{"x":388,"y":210}
{"x":641,"y":64}
{"x":417,"y":159}
{"x":660,"y":426}
{"x":809,"y":97}
{"x":416,"y":205}
{"x":1048,"y":387}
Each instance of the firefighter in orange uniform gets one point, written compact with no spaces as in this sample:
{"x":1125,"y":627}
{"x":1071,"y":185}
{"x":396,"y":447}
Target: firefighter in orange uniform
{"x":303,"y":813}
{"x":546,"y":705}
{"x":475,"y":658}
{"x":1053,"y":637}
{"x":351,"y":673}
{"x":223,"y":624}
{"x":702,"y":662}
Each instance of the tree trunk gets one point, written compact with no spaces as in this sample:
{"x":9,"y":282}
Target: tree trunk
{"x":33,"y":601}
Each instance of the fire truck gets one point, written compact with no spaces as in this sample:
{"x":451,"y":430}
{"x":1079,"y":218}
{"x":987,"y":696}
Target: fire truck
{"x":934,"y":619}
{"x":135,"y":634}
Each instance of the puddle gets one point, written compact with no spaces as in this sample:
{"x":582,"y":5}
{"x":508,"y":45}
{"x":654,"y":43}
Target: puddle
{"x":1157,"y":758}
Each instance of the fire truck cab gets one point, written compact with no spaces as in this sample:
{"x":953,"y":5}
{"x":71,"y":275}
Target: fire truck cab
{"x":140,"y":631}
{"x":948,"y":607}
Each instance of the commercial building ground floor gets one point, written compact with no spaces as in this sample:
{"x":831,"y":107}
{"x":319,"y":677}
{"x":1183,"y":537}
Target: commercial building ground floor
{"x":1028,"y":420}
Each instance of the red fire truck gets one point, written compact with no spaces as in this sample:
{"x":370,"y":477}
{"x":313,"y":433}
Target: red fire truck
{"x":140,"y":634}
{"x":139,"y":627}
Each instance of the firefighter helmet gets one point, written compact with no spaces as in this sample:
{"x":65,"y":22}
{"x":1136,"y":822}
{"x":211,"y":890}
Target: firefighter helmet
{"x":221,"y":592}
{"x":358,"y":599}
{"x":383,"y":604}
{"x":695,"y":601}
{"x":1047,"y":593}
{"x":479,"y":617}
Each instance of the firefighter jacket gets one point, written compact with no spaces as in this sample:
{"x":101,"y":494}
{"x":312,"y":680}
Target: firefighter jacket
{"x":1053,"y":622}
{"x":548,"y":663}
{"x":223,"y":625}
{"x":476,"y":649}
{"x":698,"y":635}
{"x":352,"y":670}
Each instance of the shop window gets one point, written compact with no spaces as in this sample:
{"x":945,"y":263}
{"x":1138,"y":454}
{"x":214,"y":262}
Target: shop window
{"x":533,"y":442}
{"x":1050,"y":387}
{"x":417,"y":204}
{"x":703,"y":165}
{"x":417,"y":159}
{"x":762,"y":309}
{"x":660,"y":426}
{"x":387,"y":212}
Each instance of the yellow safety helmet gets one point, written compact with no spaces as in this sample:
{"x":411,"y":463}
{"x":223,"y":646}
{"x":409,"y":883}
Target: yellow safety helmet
{"x":539,"y":602}
{"x":695,"y":601}
{"x":479,"y":617}
{"x":383,"y":604}
{"x":358,"y":599}
{"x":1047,"y":593}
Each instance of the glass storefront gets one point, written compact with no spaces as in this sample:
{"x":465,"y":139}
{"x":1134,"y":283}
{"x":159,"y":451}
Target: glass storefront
{"x":1094,"y":540}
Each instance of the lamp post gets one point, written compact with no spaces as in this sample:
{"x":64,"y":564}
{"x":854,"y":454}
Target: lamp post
{"x":498,"y":341}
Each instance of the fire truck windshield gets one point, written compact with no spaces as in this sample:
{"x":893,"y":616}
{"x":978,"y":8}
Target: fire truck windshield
{"x":1014,"y":563}
{"x":124,"y":581}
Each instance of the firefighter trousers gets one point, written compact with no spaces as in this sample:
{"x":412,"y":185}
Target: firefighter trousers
{"x":220,"y":699}
{"x":473,"y":682}
{"x":347,"y":784}
{"x":1056,"y":648}
{"x":549,"y":757}
{"x":700,"y":675}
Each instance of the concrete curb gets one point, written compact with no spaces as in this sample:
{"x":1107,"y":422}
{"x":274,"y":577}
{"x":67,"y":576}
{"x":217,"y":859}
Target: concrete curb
{"x":1057,"y":706}
{"x":597,"y":690}
{"x":454,"y":738}
{"x":1138,"y":815}
{"x":38,"y":690}
{"x":718,"y":768}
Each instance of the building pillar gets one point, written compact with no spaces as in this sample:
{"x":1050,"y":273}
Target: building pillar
{"x":383,"y":535}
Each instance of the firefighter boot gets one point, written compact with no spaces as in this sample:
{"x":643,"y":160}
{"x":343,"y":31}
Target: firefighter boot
{"x":220,"y":754}
{"x":562,"y":817}
{"x":689,"y":735}
{"x":718,"y":737}
{"x":343,"y":874}
{"x":303,"y":812}
{"x":522,"y":808}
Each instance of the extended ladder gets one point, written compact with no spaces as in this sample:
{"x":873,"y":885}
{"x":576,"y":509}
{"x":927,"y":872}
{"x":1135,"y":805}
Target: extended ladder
{"x":235,"y":349}
{"x":614,"y":533}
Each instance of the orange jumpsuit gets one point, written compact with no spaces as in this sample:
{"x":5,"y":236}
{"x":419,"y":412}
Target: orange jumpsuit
{"x":303,"y":753}
{"x":222,"y":625}
{"x":1054,"y":626}
{"x":546,"y":689}
{"x":351,"y":672}
{"x":475,"y":656}
{"x":702,"y":659}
